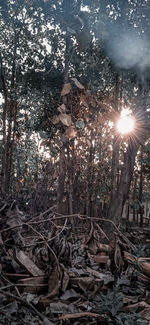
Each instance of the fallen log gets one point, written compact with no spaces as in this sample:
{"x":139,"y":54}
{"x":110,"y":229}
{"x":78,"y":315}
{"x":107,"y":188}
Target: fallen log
{"x":141,"y":263}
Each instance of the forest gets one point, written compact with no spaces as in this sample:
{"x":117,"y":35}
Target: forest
{"x":74,"y":162}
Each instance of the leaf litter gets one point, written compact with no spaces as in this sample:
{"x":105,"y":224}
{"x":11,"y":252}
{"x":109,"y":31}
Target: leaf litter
{"x":51,"y":274}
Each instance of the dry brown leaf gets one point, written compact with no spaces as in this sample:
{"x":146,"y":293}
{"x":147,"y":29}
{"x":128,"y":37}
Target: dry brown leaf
{"x":134,"y":307}
{"x":77,"y":83}
{"x":143,"y":263}
{"x":145,"y":313}
{"x":66,"y":89}
{"x":143,"y":278}
{"x":27,"y":263}
{"x":54,"y":283}
{"x":55,"y":119}
{"x":70,"y":132}
{"x":101,"y":259}
{"x":104,"y":248}
{"x":33,"y":285}
{"x":83,"y":100}
{"x":118,"y":258}
{"x":44,"y":143}
{"x":86,"y":283}
{"x":95,"y":273}
{"x":65,"y":278}
{"x":65,"y":119}
{"x":138,"y":262}
{"x":129,"y":299}
{"x":62,"y":108}
{"x":88,"y":143}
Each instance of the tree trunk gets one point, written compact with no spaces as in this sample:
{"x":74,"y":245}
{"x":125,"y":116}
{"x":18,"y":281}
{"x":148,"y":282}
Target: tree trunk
{"x":115,"y":152}
{"x":61,"y":180}
{"x":117,"y":204}
{"x":134,"y":142}
{"x":134,"y":197}
{"x":9,"y":115}
{"x":4,"y":117}
{"x":141,"y":211}
{"x":62,"y":169}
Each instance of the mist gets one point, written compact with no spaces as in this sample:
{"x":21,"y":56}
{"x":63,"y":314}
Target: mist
{"x":128,"y":49}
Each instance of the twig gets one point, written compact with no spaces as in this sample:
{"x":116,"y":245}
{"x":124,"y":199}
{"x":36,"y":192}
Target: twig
{"x":10,"y":284}
{"x":25,"y":303}
{"x":46,"y":211}
{"x":104,"y":220}
{"x":80,"y":217}
{"x":3,"y":207}
{"x":78,"y":315}
{"x":102,"y":232}
{"x":45,"y":240}
{"x":58,"y":234}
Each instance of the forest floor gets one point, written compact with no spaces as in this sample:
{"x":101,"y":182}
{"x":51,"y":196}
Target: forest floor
{"x":61,"y":269}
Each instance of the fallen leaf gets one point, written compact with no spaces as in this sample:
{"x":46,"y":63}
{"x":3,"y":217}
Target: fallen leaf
{"x":101,"y":259}
{"x":140,"y":263}
{"x":118,"y":258}
{"x":129,"y":299}
{"x":83,"y":100}
{"x":69,"y":294}
{"x":56,"y":119}
{"x":86,"y":283}
{"x":66,"y":89}
{"x":134,"y":307}
{"x":59,"y":307}
{"x":27,"y":263}
{"x":62,"y":108}
{"x":65,"y":278}
{"x":54,"y":283}
{"x":46,"y":321}
{"x":70,"y":132}
{"x":107,"y":278}
{"x":65,"y":119}
{"x":145,"y":313}
{"x":77,"y":83}
{"x":88,"y":143}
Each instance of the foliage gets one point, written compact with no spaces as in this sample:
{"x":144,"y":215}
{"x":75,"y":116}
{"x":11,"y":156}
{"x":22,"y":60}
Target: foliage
{"x":41,"y":41}
{"x":112,"y":304}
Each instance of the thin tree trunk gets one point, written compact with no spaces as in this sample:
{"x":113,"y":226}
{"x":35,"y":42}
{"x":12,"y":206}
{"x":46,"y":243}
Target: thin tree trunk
{"x":134,"y":197}
{"x":62,"y":169}
{"x":141,"y":189}
{"x":61,"y":180}
{"x":115,"y":152}
{"x":4,"y":118}
{"x":116,"y":206}
{"x":9,"y":114}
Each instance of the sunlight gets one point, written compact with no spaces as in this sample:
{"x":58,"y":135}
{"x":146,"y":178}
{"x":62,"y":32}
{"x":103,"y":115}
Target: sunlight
{"x":125,"y":123}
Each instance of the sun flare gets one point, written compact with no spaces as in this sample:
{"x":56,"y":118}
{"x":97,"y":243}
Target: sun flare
{"x":125,"y":123}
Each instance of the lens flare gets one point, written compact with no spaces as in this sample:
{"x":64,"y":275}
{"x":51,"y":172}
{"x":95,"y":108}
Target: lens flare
{"x":125,"y":123}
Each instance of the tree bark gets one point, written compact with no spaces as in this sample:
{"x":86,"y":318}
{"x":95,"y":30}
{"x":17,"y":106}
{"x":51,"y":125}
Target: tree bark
{"x":141,"y":211}
{"x":116,"y":206}
{"x":115,"y":152}
{"x":62,"y":169}
{"x":4,"y":118}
